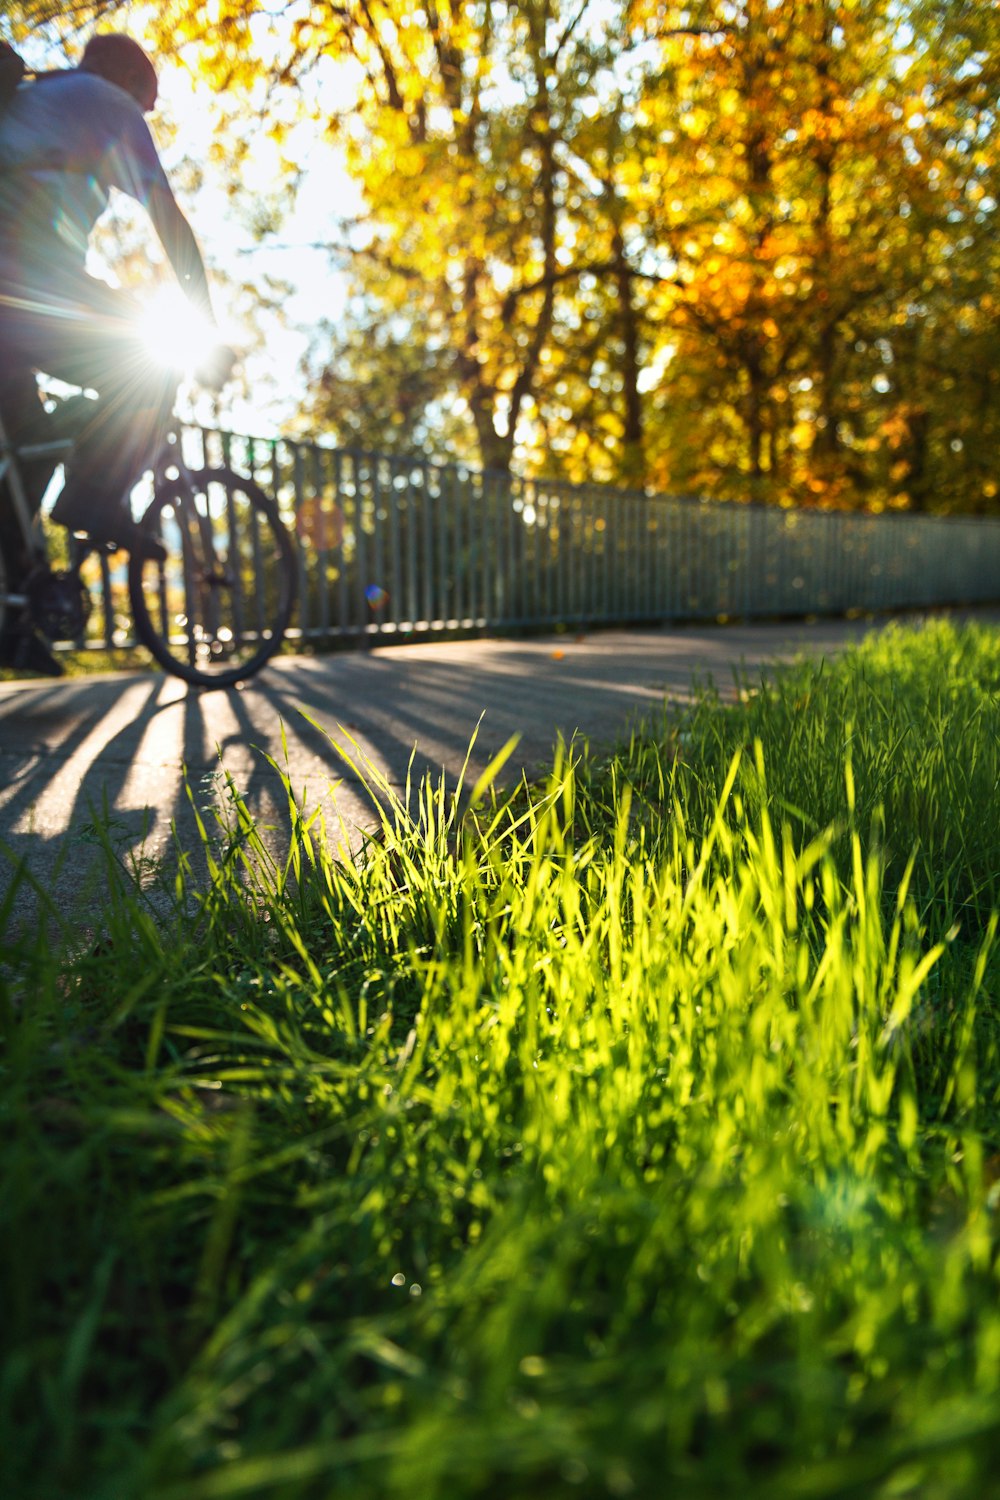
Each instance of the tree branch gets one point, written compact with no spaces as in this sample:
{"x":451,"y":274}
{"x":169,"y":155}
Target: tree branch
{"x":589,"y":268}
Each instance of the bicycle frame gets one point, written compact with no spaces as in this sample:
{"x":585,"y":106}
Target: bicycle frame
{"x":187,"y":566}
{"x":166,"y":456}
{"x":11,"y":458}
{"x":29,"y":525}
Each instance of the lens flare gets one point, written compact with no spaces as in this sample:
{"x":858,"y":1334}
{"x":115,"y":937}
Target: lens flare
{"x":175,"y":333}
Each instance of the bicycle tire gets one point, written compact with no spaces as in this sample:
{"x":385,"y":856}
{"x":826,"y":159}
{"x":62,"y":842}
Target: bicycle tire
{"x":15,"y":567}
{"x":14,"y":563}
{"x":8,"y":613}
{"x":217,"y":610}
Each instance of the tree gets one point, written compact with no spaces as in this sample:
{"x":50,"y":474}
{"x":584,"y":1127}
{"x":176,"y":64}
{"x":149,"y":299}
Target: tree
{"x":490,"y":234}
{"x":813,"y":239}
{"x":743,"y":247}
{"x":479,"y":239}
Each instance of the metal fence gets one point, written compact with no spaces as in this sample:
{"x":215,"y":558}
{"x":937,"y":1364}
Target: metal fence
{"x":395,"y":546}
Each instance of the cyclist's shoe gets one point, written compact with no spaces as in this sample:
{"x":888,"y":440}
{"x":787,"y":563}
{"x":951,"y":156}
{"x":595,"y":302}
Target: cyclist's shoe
{"x":24,"y":651}
{"x":76,"y":506}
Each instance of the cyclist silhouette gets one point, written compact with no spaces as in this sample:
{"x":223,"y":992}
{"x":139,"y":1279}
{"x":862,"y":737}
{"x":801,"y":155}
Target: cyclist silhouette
{"x":66,"y":140}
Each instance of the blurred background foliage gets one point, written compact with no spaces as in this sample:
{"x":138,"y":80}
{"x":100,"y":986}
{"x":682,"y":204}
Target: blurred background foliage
{"x":741,"y":248}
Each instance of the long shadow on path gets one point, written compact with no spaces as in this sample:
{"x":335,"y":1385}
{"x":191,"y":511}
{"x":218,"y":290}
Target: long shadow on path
{"x":135,"y":750}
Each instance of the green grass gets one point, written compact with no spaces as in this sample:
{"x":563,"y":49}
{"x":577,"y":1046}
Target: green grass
{"x":89,"y":663}
{"x":637,"y":1133}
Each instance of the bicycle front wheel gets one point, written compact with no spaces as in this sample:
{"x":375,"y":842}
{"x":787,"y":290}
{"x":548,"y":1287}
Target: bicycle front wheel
{"x":217,"y":608}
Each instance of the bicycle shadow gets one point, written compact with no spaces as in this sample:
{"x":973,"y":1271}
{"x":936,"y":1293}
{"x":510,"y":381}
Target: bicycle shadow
{"x":156,"y":765}
{"x":139,"y":761}
{"x":147,"y":768}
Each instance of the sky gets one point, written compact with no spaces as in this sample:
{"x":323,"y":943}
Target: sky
{"x":294,"y":254}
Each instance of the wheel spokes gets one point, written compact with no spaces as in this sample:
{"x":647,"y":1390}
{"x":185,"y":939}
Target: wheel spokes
{"x":222,"y":598}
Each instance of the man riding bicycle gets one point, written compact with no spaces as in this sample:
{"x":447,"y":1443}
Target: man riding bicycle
{"x":66,"y":140}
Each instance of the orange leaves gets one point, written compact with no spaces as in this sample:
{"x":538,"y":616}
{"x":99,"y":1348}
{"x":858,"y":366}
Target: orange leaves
{"x":822,"y":125}
{"x":796,"y":201}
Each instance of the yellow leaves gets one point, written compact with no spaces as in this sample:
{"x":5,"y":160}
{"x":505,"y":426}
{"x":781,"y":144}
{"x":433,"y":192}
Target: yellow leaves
{"x":633,"y":171}
{"x":609,"y":422}
{"x":697,"y":123}
{"x":393,"y":131}
{"x":758,"y":180}
{"x":802,"y":434}
{"x":895,"y":428}
{"x":820,"y":126}
{"x":409,"y":161}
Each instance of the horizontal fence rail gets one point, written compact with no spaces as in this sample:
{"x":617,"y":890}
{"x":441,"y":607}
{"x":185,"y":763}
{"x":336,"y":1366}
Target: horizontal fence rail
{"x":392,"y":546}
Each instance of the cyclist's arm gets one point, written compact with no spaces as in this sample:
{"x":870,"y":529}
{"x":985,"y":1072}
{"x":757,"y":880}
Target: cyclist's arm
{"x":177,"y":239}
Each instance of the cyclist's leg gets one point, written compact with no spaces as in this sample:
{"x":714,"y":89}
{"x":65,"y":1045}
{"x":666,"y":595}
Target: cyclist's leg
{"x":21,"y":648}
{"x":26,"y":421}
{"x":87,"y":334}
{"x":23,"y":415}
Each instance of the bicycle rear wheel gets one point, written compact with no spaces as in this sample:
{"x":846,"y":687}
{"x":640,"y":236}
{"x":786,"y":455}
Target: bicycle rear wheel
{"x":216,"y":610}
{"x":15,"y":566}
{"x":8,"y":610}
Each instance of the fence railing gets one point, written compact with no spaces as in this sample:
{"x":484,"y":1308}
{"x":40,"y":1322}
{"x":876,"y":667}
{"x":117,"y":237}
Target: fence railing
{"x":397,"y":546}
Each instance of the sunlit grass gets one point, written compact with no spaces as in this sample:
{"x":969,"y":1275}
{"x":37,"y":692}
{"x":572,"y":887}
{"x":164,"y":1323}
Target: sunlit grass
{"x":92,"y":662}
{"x":637,"y":1132}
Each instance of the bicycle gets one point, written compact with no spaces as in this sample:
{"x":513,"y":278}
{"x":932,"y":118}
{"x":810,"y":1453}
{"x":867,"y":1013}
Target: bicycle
{"x":212,"y":610}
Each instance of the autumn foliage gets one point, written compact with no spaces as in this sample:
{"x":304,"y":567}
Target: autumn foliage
{"x":744,"y":248}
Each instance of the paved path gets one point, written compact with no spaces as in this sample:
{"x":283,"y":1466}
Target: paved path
{"x":115,"y":745}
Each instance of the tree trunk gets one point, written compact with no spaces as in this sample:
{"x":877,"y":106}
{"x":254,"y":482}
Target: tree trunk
{"x":633,"y":461}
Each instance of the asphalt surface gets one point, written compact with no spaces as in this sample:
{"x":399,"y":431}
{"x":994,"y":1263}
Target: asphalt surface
{"x":136,"y":752}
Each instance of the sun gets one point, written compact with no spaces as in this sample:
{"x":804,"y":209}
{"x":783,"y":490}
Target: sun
{"x":175,"y":333}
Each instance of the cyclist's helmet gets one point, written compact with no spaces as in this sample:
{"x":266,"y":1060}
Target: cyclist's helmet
{"x":114,"y":56}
